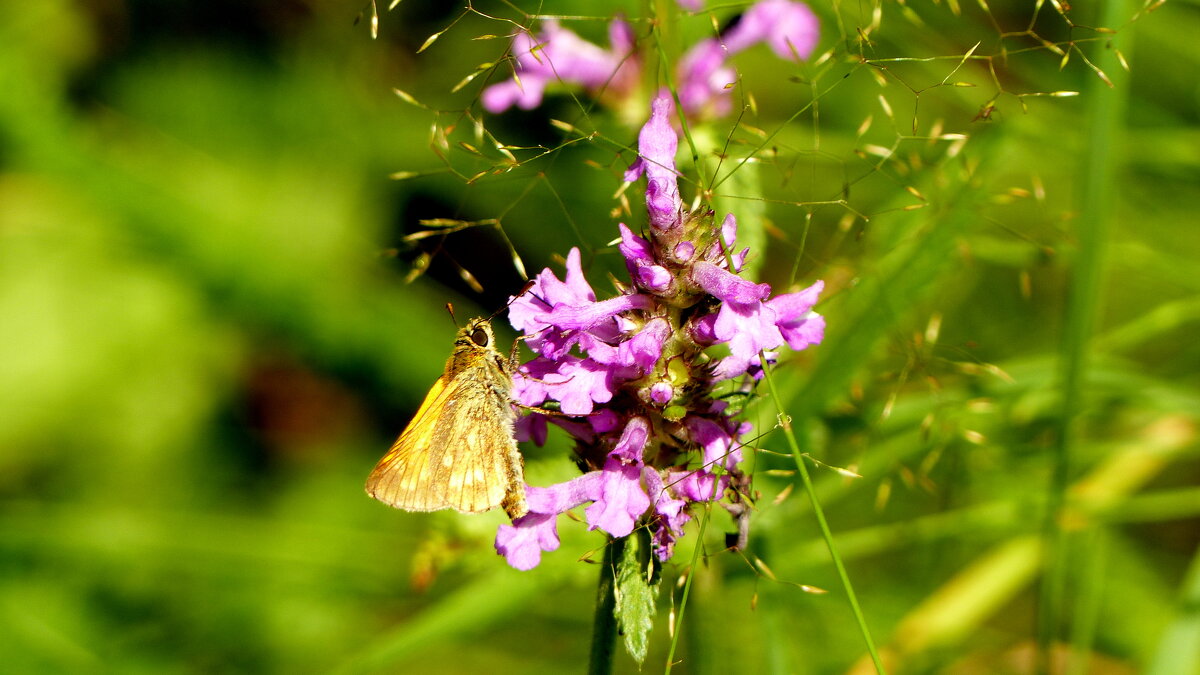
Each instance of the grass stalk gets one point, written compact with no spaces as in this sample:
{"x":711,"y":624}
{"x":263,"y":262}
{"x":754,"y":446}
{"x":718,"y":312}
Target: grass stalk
{"x":1105,"y":107}
{"x":826,"y":533}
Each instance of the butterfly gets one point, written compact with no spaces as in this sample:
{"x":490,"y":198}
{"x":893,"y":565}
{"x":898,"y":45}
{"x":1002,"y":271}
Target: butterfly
{"x":458,"y":452}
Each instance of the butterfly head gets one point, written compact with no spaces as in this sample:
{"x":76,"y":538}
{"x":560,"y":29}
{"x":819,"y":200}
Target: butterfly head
{"x":478,"y":333}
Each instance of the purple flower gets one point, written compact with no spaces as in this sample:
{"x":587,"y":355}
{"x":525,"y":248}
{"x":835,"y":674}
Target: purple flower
{"x":632,"y":443}
{"x":657,"y":144}
{"x":716,"y":440}
{"x":522,"y":542}
{"x":530,"y":427}
{"x":639,"y":259}
{"x":639,"y":353}
{"x":557,"y":54}
{"x":621,"y":501}
{"x":697,"y":486}
{"x":790,"y":28}
{"x":669,"y":517}
{"x":726,"y":285}
{"x":704,"y":75}
{"x":747,"y":328}
{"x":548,"y":291}
{"x":558,"y":315}
{"x":751,"y":327}
{"x":589,"y":315}
{"x":576,"y":383}
{"x":795,"y":318}
{"x":705,"y":79}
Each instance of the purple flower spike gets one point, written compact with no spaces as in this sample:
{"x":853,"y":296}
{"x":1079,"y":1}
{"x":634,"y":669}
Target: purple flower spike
{"x":633,"y":374}
{"x":657,"y":144}
{"x":790,"y":28}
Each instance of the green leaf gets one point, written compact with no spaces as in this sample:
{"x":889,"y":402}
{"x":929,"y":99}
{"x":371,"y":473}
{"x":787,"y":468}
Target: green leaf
{"x":750,"y":211}
{"x":635,"y":596}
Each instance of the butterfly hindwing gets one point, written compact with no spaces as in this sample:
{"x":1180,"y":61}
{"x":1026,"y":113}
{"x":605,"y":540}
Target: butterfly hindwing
{"x":467,"y":452}
{"x":460,"y":460}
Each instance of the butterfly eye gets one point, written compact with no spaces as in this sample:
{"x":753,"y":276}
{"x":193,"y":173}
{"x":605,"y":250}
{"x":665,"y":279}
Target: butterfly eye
{"x":479,"y":337}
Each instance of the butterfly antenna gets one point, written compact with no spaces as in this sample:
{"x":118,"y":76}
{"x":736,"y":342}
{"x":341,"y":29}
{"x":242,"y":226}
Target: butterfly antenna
{"x":450,"y":308}
{"x":524,"y":289}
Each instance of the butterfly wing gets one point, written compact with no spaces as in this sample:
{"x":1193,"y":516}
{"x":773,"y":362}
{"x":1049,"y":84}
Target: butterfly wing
{"x":457,"y":452}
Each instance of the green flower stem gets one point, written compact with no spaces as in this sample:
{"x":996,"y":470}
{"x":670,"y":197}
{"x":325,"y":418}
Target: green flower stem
{"x":802,"y":467}
{"x":604,"y":625}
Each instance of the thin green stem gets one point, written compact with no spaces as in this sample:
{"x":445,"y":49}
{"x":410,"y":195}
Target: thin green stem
{"x":802,"y":468}
{"x":604,"y":624}
{"x":1105,"y":107}
{"x":687,"y":587}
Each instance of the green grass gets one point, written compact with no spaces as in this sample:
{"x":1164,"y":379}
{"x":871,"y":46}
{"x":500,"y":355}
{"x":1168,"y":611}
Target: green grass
{"x":207,"y":343}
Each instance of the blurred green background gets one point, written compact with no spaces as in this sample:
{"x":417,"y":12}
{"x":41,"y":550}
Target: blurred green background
{"x":209,"y":339}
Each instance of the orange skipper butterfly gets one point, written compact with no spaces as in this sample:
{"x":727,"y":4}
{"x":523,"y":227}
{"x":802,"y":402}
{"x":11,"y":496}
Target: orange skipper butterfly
{"x":458,"y":452}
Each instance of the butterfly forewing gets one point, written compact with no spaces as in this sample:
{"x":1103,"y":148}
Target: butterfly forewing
{"x":401,"y":477}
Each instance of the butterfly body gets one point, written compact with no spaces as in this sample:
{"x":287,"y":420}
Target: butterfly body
{"x":458,"y":452}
